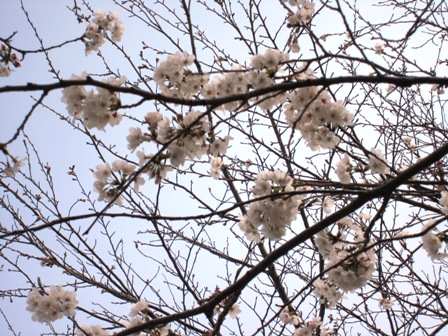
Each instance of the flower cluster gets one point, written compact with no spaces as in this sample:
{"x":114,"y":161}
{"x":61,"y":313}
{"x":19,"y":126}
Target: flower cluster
{"x":377,"y":162}
{"x":444,"y":202}
{"x":139,"y":306}
{"x":229,"y":83}
{"x":354,"y":267}
{"x":7,"y":57}
{"x":238,"y":81}
{"x":215,"y":167}
{"x":273,"y":213}
{"x":343,"y":169}
{"x":190,"y":142}
{"x":233,"y":311}
{"x":328,"y":204}
{"x":94,"y":330}
{"x":95,"y":109}
{"x":191,"y":134}
{"x":379,"y":48}
{"x":327,"y":293}
{"x":271,"y":58}
{"x":288,"y":317}
{"x":386,"y":303}
{"x":432,"y":243}
{"x":11,"y":170}
{"x":137,"y":317}
{"x":311,"y":327}
{"x":303,"y":14}
{"x":98,"y":28}
{"x":175,"y":80}
{"x":109,"y":180}
{"x":312,"y":112}
{"x":52,"y":306}
{"x":354,"y":272}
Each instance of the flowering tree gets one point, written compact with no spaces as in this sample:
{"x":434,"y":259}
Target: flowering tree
{"x":280,"y":170}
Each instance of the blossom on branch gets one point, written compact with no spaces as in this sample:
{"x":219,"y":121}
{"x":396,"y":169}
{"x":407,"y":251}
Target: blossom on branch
{"x":377,"y":162}
{"x":51,"y":306}
{"x":96,"y":110}
{"x":98,"y":28}
{"x":275,"y":213}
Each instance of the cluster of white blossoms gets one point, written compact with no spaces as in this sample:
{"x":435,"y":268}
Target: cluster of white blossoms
{"x":379,"y":48}
{"x":94,"y":330}
{"x":351,"y":272}
{"x":227,"y":84}
{"x":310,"y":328}
{"x":51,"y":306}
{"x":7,"y":57}
{"x":191,"y":142}
{"x":271,"y":58}
{"x":136,"y":317}
{"x":98,"y":28}
{"x":432,"y":243}
{"x":327,"y":293}
{"x":175,"y":80}
{"x":233,"y":311}
{"x":377,"y":162}
{"x":191,"y":131}
{"x":386,"y":303}
{"x":110,"y":180}
{"x":343,"y":170}
{"x":444,"y":202}
{"x":215,"y":167}
{"x":328,"y":204}
{"x":288,"y":317}
{"x":95,"y":109}
{"x":11,"y":170}
{"x":273,"y":213}
{"x":312,"y":112}
{"x":304,"y":13}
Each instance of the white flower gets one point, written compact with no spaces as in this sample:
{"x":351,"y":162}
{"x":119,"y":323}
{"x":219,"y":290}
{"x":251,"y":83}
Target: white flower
{"x":288,"y":318}
{"x":444,"y":202}
{"x":386,"y":303}
{"x":94,"y":109}
{"x":123,"y":167}
{"x":327,"y":205}
{"x":49,"y":307}
{"x":94,"y":330}
{"x":273,"y":214}
{"x":153,"y":119}
{"x":295,"y":47}
{"x":10,"y":171}
{"x":377,"y":162}
{"x":250,"y":231}
{"x":138,"y":307}
{"x":216,"y":164}
{"x":354,"y":272}
{"x":343,"y":169}
{"x":406,"y":140}
{"x":326,"y":293}
{"x":379,"y":48}
{"x":135,"y":138}
{"x":156,"y":170}
{"x":432,"y":243}
{"x":219,"y":146}
{"x":309,"y":327}
{"x":98,"y":28}
{"x":165,"y":330}
{"x":5,"y":71}
{"x":234,"y":311}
